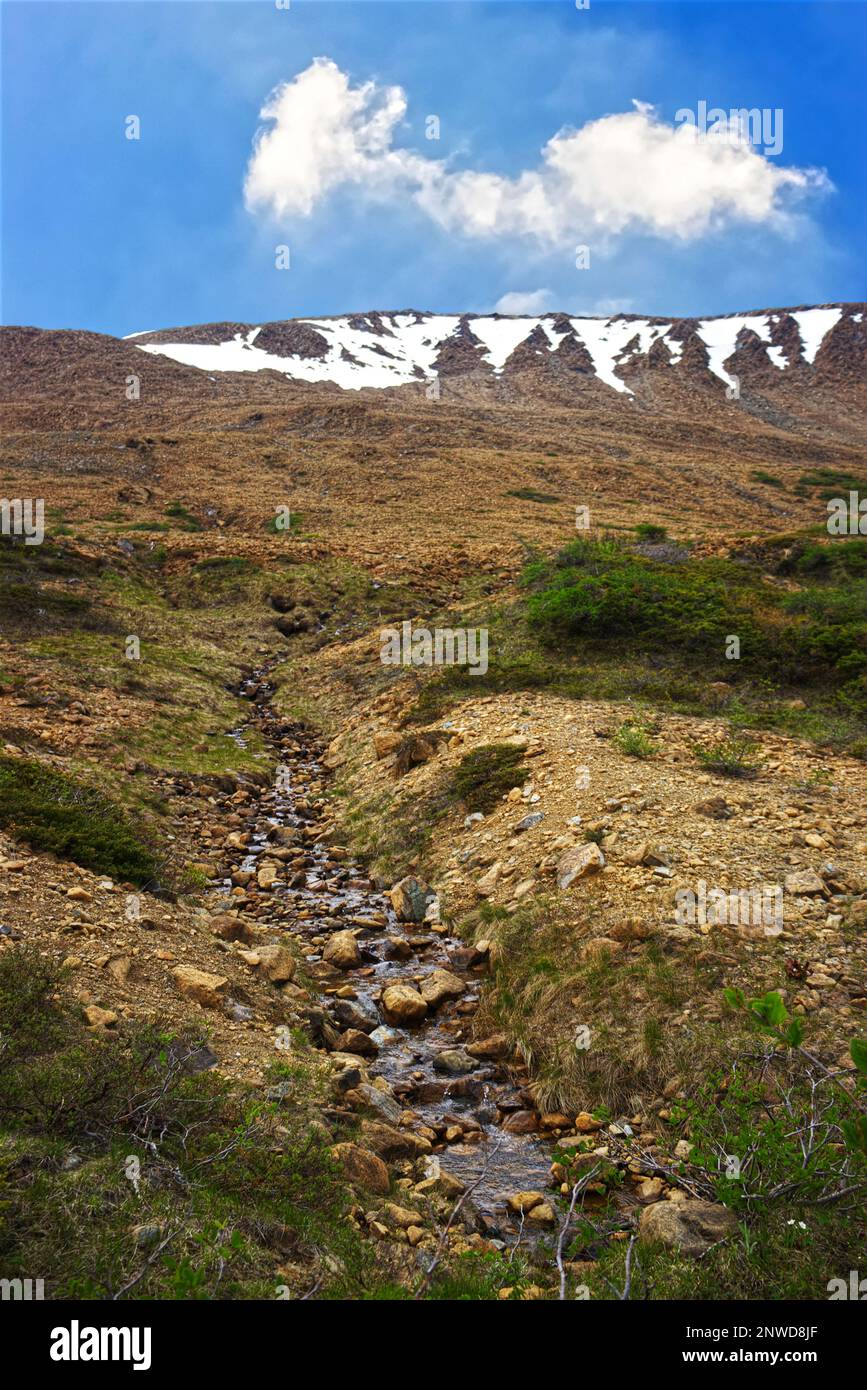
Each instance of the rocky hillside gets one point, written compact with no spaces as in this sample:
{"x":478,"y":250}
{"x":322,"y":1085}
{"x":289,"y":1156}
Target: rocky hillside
{"x":500,"y":429}
{"x":821,"y":345}
{"x":402,"y":980}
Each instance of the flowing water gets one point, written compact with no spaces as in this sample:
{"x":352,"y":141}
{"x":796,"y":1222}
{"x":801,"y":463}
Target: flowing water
{"x":324,"y":892}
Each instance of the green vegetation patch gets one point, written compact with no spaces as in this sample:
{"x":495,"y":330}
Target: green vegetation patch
{"x":483,"y":776}
{"x":761,"y":475}
{"x":54,"y":812}
{"x":735,"y":756}
{"x":635,"y":741}
{"x":832,"y":482}
{"x":178,"y":512}
{"x":184,"y":1186}
{"x":531,"y":494}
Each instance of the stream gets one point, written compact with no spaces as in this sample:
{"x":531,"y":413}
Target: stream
{"x":322,"y":892}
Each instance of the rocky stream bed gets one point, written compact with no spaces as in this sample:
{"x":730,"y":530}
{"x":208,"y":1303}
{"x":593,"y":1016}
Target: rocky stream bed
{"x":397,"y":993}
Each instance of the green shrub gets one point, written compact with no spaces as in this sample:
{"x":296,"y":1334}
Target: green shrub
{"x":760,"y":475}
{"x":598,"y":589}
{"x":180,"y":513}
{"x":833,"y":482}
{"x":634,"y":741}
{"x":650,"y":531}
{"x":273,"y":527}
{"x":53,"y":812}
{"x":734,"y":756}
{"x":483,"y":776}
{"x":603,"y":592}
{"x":234,"y":1184}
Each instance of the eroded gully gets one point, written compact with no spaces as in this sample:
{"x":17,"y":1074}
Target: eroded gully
{"x":319,"y":891}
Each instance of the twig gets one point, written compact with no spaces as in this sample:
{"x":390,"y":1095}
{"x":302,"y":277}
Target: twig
{"x":561,"y":1238}
{"x":624,"y":1295}
{"x":147,"y":1264}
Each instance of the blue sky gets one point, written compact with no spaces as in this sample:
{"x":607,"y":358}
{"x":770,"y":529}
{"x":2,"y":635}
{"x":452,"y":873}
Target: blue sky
{"x":118,"y":235}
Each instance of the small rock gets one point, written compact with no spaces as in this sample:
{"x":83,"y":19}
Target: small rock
{"x":493,"y":1047}
{"x":206,"y":989}
{"x":362,"y":1168}
{"x":805,"y":882}
{"x":454,"y":1061}
{"x":525,"y":1201}
{"x":579,"y":862}
{"x":99,"y":1018}
{"x":341,"y":950}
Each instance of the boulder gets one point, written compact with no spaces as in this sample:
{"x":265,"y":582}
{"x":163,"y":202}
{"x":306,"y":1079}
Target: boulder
{"x":361,"y":1167}
{"x":341,"y":950}
{"x":369,"y":1096}
{"x":409,"y":899}
{"x":97,"y":1018}
{"x":276,"y":963}
{"x":361,"y":1044}
{"x":403,"y":1006}
{"x":585,"y":1123}
{"x":385,"y":741}
{"x":805,"y":882}
{"x":440,"y":1185}
{"x":352,"y":1013}
{"x":521,"y":1122}
{"x":266,"y":876}
{"x":439,"y":986}
{"x":525,"y":1201}
{"x":690,"y":1227}
{"x":488,"y":882}
{"x":543,"y":1214}
{"x":391,"y":1144}
{"x":454,"y":1061}
{"x":230,"y":928}
{"x":402,"y":1217}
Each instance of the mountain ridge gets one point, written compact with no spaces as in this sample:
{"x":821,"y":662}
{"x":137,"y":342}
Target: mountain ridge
{"x":388,"y":349}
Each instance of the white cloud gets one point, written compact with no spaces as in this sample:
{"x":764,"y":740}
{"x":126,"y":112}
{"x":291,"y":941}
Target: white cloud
{"x":627,"y":172}
{"x":524,"y":302}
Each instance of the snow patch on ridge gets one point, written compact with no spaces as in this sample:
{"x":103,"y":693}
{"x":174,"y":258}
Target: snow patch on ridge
{"x":397,"y":349}
{"x":814,"y":325}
